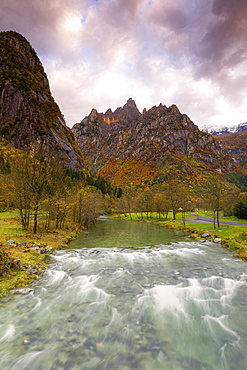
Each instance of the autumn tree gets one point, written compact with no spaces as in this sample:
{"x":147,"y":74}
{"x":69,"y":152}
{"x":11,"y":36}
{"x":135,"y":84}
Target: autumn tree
{"x":161,"y":202}
{"x":214,"y":189}
{"x":177,"y":194}
{"x":6,"y":183}
{"x":34,"y":174}
{"x":129,"y":198}
{"x":108,"y":204}
{"x":21,"y":189}
{"x":145,"y":201}
{"x":230,"y":197}
{"x":178,"y":178}
{"x":6,"y":191}
{"x":56,"y":201}
{"x":87,"y":206}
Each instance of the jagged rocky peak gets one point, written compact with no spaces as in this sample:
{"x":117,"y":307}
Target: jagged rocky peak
{"x":109,"y":112}
{"x":131,"y":109}
{"x":126,"y":114}
{"x":154,"y":112}
{"x":120,"y":117}
{"x":94,"y":116}
{"x":148,"y":136}
{"x":28,"y":112}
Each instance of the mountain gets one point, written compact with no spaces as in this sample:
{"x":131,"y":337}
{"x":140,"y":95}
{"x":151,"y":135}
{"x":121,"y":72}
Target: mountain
{"x":28,"y":112}
{"x":225,"y":130}
{"x":234,"y":139}
{"x":236,"y":144}
{"x":110,"y":141}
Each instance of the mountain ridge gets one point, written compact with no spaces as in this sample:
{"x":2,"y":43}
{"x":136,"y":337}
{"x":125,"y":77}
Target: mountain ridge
{"x":224,"y":130}
{"x":157,"y":131}
{"x":147,"y":126}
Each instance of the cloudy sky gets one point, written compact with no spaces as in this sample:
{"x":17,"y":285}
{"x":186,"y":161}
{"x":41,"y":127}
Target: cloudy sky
{"x":98,"y":53}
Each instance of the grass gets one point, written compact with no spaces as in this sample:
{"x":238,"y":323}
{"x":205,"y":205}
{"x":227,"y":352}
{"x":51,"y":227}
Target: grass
{"x":232,"y":236}
{"x":15,"y":275}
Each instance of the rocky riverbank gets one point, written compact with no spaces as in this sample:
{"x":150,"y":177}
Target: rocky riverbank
{"x":23,"y":260}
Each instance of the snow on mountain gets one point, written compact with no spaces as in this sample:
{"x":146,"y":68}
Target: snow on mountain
{"x":225,"y":130}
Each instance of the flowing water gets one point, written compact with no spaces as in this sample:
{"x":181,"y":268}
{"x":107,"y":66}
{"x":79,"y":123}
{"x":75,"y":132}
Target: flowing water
{"x":129,"y":295}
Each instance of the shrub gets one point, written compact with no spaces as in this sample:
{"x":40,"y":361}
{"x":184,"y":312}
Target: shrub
{"x":240,"y":210}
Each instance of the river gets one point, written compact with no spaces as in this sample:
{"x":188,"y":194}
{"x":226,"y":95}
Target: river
{"x":130,"y":295}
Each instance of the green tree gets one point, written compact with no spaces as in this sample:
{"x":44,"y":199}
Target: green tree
{"x":240,"y":210}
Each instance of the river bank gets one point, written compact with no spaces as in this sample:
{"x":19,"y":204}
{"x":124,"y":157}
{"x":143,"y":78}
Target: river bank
{"x":24,"y":255}
{"x":232,"y":235}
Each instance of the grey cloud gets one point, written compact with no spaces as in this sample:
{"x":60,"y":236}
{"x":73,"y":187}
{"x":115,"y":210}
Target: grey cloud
{"x":110,"y":23}
{"x":37,"y":20}
{"x":210,"y":34}
{"x":173,"y":18}
{"x":225,"y":39}
{"x":206,"y":40}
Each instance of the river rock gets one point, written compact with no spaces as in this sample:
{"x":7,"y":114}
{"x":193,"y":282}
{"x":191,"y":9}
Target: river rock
{"x":11,"y":243}
{"x":16,"y":260}
{"x":205,"y":235}
{"x":23,"y":244}
{"x":217,"y":240}
{"x":32,"y":271}
{"x":37,"y":247}
{"x":22,"y":291}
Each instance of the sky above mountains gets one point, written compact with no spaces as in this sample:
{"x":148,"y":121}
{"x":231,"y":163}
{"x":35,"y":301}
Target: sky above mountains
{"x":99,"y":53}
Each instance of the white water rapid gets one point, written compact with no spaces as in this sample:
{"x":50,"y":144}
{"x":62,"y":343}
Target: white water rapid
{"x":129,"y":295}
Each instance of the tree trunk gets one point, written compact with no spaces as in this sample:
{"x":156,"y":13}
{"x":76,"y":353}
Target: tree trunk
{"x":217,"y":216}
{"x":35,"y":218}
{"x":183,"y":215}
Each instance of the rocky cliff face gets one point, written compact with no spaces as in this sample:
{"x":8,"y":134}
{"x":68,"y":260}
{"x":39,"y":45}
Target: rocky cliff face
{"x":149,"y":136}
{"x":28,"y":112}
{"x":236,"y":144}
{"x":234,"y":139}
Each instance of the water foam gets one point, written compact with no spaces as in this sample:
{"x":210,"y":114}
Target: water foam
{"x":25,"y":361}
{"x":9,"y":333}
{"x":55,"y":277}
